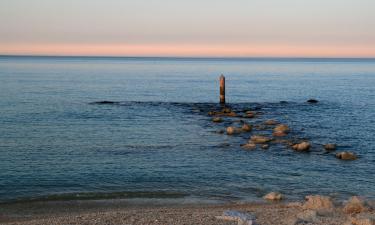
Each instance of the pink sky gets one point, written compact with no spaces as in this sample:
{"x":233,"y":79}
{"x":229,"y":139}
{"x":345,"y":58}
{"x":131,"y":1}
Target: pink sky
{"x":202,"y":28}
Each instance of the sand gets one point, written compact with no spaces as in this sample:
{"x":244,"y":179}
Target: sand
{"x":121,"y":212}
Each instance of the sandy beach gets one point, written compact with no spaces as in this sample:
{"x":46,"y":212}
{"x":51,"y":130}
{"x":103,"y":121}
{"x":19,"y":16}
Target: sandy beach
{"x":122,"y":212}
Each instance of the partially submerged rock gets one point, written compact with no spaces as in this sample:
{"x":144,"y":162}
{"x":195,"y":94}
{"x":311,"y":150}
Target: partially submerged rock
{"x":249,"y":146}
{"x":270,"y":122}
{"x":282,"y":128}
{"x":273,"y":196}
{"x":346,"y":156}
{"x":246,"y":127}
{"x":233,"y":130}
{"x":355,"y":205}
{"x":249,"y":114}
{"x":217,"y":120}
{"x":265,"y":146}
{"x":312,"y":101}
{"x":330,"y":147}
{"x":242,"y":218}
{"x":279,"y":134}
{"x":105,"y":103}
{"x":258,"y":139}
{"x":318,"y":202}
{"x":302,"y":147}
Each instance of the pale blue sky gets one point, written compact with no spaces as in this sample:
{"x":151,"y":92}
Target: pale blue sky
{"x":195,"y":22}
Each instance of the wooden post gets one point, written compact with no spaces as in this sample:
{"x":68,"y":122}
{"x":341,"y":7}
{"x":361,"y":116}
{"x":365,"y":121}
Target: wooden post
{"x":222,"y":89}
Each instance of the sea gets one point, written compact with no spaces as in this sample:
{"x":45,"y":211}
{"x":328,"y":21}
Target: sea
{"x":129,"y":127}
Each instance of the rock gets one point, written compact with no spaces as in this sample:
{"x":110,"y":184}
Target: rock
{"x":220,"y":131}
{"x":231,"y":114}
{"x":249,"y":114}
{"x":105,"y":103}
{"x":246,"y":127}
{"x":258,"y":139}
{"x":346,"y":156}
{"x":242,"y":218}
{"x":217,"y":120}
{"x":281,"y":128}
{"x":307,"y":216}
{"x":356,"y":205}
{"x":265,"y":146}
{"x":312,"y":101}
{"x":318,"y":202}
{"x":260,"y":127}
{"x":273,"y":196}
{"x":270,"y":122}
{"x":330,"y":147}
{"x":363,"y":219}
{"x":233,"y":130}
{"x":302,"y":147}
{"x":279,"y":134}
{"x":249,"y":146}
{"x":226,"y":110}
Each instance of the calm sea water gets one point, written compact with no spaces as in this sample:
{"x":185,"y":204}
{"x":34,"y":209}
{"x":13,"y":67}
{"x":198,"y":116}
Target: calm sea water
{"x":159,"y":142}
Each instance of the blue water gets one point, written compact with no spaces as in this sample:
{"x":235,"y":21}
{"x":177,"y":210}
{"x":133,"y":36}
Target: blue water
{"x":159,"y":141}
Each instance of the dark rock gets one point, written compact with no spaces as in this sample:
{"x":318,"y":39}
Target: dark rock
{"x":312,"y":101}
{"x":105,"y":103}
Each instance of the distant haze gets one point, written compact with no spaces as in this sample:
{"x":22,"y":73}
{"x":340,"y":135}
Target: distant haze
{"x":217,"y":28}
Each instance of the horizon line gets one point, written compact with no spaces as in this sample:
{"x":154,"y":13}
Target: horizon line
{"x":183,"y":57}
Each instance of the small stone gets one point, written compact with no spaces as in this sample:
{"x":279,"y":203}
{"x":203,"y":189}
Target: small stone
{"x":258,"y":139}
{"x":312,"y":101}
{"x":265,"y":146}
{"x":260,"y":127}
{"x":226,"y":110}
{"x":318,"y":202}
{"x":281,"y":128}
{"x":363,"y":219}
{"x":249,"y":146}
{"x":346,"y":156}
{"x":270,"y":122}
{"x":247,"y":127}
{"x":233,"y":130}
{"x":249,"y":114}
{"x":273,"y":196}
{"x":355,"y":205}
{"x":220,"y":131}
{"x":279,"y":134}
{"x":242,"y":218}
{"x":330,"y":147}
{"x":217,"y":120}
{"x":308,"y":216}
{"x":302,"y":147}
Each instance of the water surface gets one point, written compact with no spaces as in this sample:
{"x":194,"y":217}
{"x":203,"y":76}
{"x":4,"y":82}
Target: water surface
{"x":159,"y":141}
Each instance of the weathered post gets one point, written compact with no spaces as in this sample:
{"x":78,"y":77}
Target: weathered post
{"x":222,"y":89}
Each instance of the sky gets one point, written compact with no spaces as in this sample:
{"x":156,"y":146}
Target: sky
{"x":189,"y":28}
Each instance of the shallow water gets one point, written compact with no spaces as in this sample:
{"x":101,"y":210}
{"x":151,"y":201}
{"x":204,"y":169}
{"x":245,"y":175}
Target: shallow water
{"x":158,"y":141}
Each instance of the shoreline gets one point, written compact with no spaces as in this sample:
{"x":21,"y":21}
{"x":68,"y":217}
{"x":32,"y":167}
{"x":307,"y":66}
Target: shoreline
{"x":169,"y":211}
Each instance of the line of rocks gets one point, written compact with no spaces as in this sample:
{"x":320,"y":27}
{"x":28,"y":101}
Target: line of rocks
{"x":279,"y":131}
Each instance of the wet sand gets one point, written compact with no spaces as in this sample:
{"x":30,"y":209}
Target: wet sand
{"x":124,"y":212}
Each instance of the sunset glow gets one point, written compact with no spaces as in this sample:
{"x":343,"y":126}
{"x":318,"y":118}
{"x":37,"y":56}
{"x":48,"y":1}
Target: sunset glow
{"x":193,"y":28}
